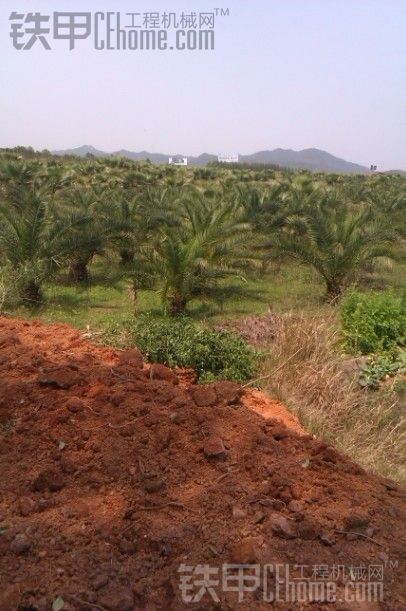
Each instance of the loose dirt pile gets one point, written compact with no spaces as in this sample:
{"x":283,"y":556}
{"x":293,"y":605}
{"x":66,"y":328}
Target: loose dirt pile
{"x":113,"y":474}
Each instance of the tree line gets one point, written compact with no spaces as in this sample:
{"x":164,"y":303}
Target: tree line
{"x":185,"y":232}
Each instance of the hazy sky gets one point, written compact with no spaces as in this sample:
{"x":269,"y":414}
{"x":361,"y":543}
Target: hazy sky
{"x":294,"y":74}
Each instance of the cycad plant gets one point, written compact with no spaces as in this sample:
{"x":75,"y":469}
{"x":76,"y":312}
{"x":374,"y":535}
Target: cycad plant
{"x":334,"y":239}
{"x":35,"y":240}
{"x":140,"y":218}
{"x":15,"y":175}
{"x":210,"y":244}
{"x":103,"y":232}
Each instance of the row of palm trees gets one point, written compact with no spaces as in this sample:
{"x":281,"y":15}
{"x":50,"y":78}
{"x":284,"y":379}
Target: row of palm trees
{"x":186,"y":238}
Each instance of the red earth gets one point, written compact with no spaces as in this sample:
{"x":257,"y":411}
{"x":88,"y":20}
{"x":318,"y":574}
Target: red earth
{"x":115,"y":473}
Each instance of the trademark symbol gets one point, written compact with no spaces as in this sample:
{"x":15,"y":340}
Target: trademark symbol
{"x":222,"y":12}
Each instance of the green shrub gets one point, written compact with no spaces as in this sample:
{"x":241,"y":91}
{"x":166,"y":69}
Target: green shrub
{"x":374,"y":322}
{"x":180,"y":342}
{"x":381,"y":368}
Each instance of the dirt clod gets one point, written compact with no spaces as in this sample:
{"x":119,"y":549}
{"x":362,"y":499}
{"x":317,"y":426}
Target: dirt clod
{"x":100,"y":581}
{"x":132,"y":357}
{"x":282,"y":527}
{"x":161,"y":372}
{"x":229,"y":392}
{"x":154,"y":485}
{"x":204,"y":396}
{"x":214,"y":448}
{"x":49,"y":479}
{"x":20,"y":544}
{"x":295,"y":506}
{"x":27,"y":506}
{"x":239,"y":514}
{"x":75,"y":405}
{"x":244,"y":552}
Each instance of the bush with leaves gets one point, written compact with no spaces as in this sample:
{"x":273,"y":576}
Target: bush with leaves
{"x":382,"y":368}
{"x":179,"y":342}
{"x":374,"y":322}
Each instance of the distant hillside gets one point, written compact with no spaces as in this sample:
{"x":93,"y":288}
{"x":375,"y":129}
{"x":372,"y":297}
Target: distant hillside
{"x":308,"y":159}
{"x":82,"y":151}
{"x":142,"y":155}
{"x":401,"y":172}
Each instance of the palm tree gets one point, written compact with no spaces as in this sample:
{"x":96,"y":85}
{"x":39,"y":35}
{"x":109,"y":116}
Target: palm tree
{"x":16,"y":174}
{"x":387,"y":195}
{"x":142,"y":217}
{"x":55,"y":177}
{"x":262,"y":207}
{"x":35,"y":239}
{"x":333,"y":239}
{"x":266,"y":211}
{"x":204,"y":249}
{"x":96,"y":237}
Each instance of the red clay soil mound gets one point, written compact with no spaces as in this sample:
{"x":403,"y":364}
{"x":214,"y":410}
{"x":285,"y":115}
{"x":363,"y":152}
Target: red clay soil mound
{"x":116,"y":481}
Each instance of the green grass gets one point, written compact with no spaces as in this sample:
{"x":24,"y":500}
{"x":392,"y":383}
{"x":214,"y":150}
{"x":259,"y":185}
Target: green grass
{"x":99,"y":302}
{"x":283,"y":288}
{"x":106,"y":299}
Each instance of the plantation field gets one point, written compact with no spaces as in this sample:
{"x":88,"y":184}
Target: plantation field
{"x":290,"y":281}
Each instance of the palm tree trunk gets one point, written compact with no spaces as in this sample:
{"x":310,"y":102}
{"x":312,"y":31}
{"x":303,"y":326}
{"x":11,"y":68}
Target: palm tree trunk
{"x":78,"y":271}
{"x":334,"y":288}
{"x":177,"y":305}
{"x":32,"y":293}
{"x":127,"y":257}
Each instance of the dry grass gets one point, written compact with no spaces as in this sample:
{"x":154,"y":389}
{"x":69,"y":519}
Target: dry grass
{"x":310,"y":377}
{"x":3,"y":292}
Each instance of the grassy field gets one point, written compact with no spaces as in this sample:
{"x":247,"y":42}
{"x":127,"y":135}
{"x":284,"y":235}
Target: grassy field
{"x":281,"y":289}
{"x":99,"y":303}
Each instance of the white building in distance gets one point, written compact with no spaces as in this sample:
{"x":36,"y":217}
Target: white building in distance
{"x":234,"y":158}
{"x":177,"y":160}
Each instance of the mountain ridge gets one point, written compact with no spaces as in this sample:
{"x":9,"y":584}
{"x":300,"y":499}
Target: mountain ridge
{"x":309,"y":159}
